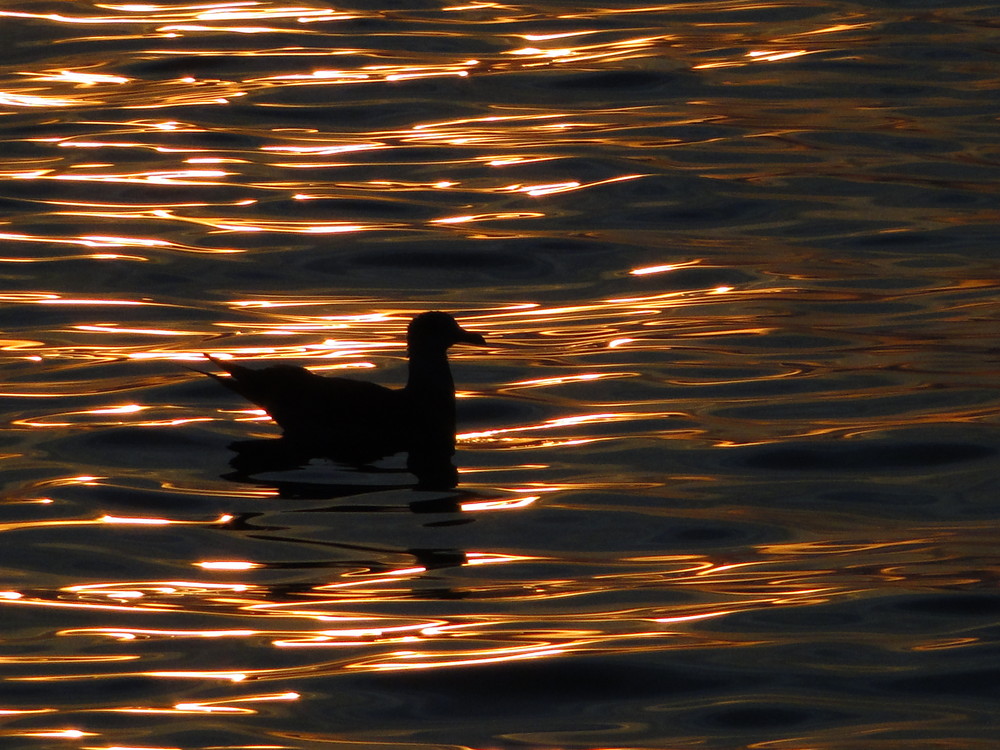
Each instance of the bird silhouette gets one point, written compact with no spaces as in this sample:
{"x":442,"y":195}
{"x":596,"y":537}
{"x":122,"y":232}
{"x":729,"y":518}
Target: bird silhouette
{"x":358,"y":422}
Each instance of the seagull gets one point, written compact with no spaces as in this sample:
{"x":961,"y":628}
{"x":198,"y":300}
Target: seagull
{"x":359,"y":422}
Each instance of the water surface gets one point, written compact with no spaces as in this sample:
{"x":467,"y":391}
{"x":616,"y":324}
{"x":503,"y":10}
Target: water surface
{"x":728,"y":464}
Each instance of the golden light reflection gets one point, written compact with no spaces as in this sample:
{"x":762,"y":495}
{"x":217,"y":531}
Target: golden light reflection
{"x":472,"y":6}
{"x":272,"y":613}
{"x":837,"y":28}
{"x":165,"y":588}
{"x":108,"y":519}
{"x":493,"y":558}
{"x":499,"y":216}
{"x":260,"y":225}
{"x":489,"y":119}
{"x":612,"y":51}
{"x":98,"y":241}
{"x":757,"y":56}
{"x":507,"y":161}
{"x":136,"y":521}
{"x":370,"y":73}
{"x":665,"y":267}
{"x":407,"y":660}
{"x":102,"y":417}
{"x":76,"y":76}
{"x":561,"y":422}
{"x":563,"y":379}
{"x":229,"y":676}
{"x":564,"y":187}
{"x":57,"y":300}
{"x":352,"y":637}
{"x":144,"y":13}
{"x":380,"y":643}
{"x":325,"y":150}
{"x":131,"y":634}
{"x":227,"y":706}
{"x":114,"y":328}
{"x":90,"y":256}
{"x":66,"y":659}
{"x":563,"y":318}
{"x":508,"y":504}
{"x":12,"y":99}
{"x":774,"y":56}
{"x":165,"y":177}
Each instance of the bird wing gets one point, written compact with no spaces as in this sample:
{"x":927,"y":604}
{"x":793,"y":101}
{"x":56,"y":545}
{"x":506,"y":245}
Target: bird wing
{"x":340,"y":413}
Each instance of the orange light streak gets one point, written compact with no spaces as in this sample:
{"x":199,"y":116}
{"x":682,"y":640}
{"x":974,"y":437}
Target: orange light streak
{"x":127,"y":409}
{"x":486,"y":656}
{"x":492,"y":558}
{"x":615,"y":343}
{"x":323,"y":75}
{"x":325,"y":150}
{"x":61,"y":301}
{"x":89,"y":256}
{"x":488,"y":119}
{"x":74,"y":76}
{"x":132,"y":409}
{"x":488,"y":217}
{"x":130,"y":634}
{"x":197,"y":675}
{"x":298,"y":227}
{"x":771,"y":56}
{"x":665,"y":267}
{"x":227,"y":565}
{"x":837,"y":28}
{"x":172,"y":177}
{"x":213,"y":12}
{"x":536,"y":52}
{"x":112,"y":328}
{"x":563,"y":35}
{"x":350,"y":636}
{"x":10,"y":99}
{"x":108,"y":519}
{"x":158,"y":587}
{"x":226,"y":29}
{"x":100,"y":241}
{"x":550,"y":424}
{"x":507,"y":161}
{"x":88,"y":606}
{"x":136,"y":521}
{"x":483,"y":505}
{"x":563,"y":379}
{"x":434,"y":74}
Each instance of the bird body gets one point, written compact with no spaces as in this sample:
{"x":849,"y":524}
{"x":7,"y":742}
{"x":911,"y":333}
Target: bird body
{"x":358,"y":421}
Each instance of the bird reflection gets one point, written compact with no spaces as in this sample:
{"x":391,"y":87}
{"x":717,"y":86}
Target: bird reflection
{"x":356,"y":422}
{"x":355,"y":498}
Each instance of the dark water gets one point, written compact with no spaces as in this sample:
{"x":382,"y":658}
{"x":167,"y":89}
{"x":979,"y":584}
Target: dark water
{"x":729,"y":466}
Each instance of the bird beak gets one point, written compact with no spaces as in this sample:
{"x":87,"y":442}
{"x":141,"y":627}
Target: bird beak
{"x":468,"y":337}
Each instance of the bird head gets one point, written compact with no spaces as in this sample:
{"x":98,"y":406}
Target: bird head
{"x":438,"y":330}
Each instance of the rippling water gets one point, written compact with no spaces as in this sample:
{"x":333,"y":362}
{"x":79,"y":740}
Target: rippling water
{"x":729,"y":464}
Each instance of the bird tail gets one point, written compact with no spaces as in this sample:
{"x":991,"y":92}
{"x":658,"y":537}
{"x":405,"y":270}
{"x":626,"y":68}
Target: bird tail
{"x":229,"y":379}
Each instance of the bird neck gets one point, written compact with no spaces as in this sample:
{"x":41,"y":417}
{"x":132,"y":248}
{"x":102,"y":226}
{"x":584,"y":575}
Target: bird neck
{"x":430,"y":398}
{"x":430,"y":376}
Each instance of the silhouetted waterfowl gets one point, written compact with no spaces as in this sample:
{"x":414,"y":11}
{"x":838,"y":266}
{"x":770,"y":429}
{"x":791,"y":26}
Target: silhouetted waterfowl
{"x":357,"y":421}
